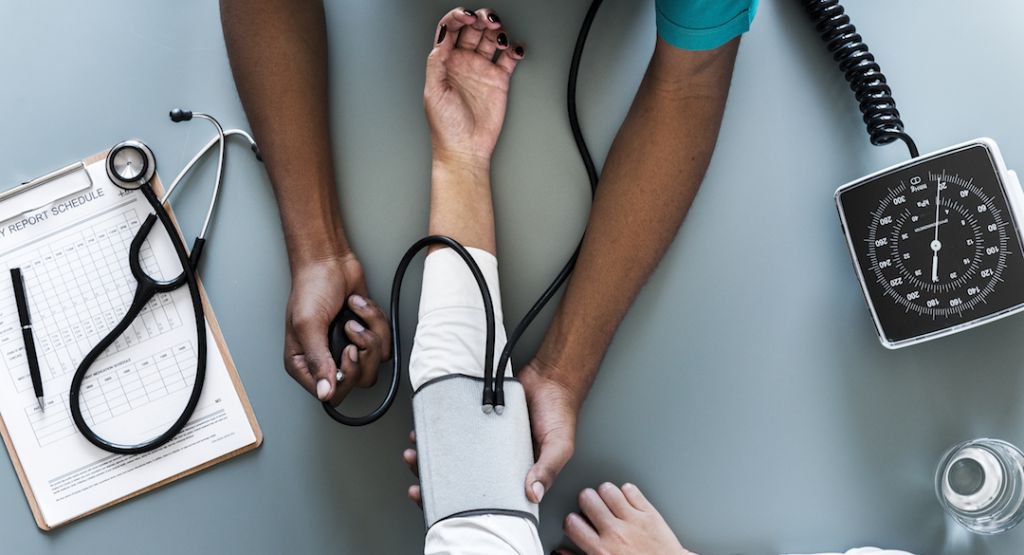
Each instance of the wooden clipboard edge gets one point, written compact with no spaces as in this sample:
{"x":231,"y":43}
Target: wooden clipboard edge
{"x":229,"y":363}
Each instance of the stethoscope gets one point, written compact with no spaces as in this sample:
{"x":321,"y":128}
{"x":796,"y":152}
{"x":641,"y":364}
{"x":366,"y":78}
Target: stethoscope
{"x":131,"y":166}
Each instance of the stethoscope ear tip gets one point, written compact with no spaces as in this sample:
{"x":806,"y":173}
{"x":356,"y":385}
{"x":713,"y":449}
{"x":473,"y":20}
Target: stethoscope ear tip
{"x":256,"y":151}
{"x":178,"y":115}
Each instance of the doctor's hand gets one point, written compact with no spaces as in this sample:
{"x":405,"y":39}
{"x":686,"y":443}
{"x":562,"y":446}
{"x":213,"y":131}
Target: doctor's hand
{"x":467,"y":83}
{"x":553,"y":408}
{"x":319,"y":289}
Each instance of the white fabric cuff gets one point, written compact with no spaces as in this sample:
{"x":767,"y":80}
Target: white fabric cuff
{"x":451,"y":333}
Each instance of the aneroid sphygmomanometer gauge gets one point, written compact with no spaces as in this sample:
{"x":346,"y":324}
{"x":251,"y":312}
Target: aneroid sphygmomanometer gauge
{"x":936,"y":242}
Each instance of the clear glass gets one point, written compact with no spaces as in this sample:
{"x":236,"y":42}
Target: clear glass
{"x":980,"y":483}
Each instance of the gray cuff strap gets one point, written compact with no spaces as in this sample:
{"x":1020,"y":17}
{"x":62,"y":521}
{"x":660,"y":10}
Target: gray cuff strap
{"x":472,"y":463}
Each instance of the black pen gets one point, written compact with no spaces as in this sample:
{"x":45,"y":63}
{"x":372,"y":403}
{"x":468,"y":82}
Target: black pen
{"x":26,"y":334}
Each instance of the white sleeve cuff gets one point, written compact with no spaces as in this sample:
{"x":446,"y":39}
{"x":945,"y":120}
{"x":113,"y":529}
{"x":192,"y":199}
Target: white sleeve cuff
{"x":491,"y":534}
{"x":452,"y":328}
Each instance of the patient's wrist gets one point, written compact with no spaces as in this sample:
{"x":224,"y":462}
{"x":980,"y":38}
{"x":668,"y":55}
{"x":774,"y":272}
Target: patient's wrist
{"x":457,"y":162}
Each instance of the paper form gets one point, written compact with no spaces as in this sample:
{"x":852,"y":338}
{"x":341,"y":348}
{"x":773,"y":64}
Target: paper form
{"x":73,"y":253}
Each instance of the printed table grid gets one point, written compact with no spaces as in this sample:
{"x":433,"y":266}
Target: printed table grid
{"x":115,"y":391}
{"x":79,"y":286}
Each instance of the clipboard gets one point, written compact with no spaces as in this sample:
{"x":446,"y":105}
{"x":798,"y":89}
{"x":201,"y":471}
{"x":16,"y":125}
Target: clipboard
{"x":30,"y":190}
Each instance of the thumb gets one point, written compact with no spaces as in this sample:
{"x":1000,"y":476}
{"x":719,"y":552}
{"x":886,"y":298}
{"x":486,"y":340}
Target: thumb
{"x":312,"y":335}
{"x":555,"y":450}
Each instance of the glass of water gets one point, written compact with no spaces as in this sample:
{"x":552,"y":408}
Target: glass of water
{"x":980,"y":483}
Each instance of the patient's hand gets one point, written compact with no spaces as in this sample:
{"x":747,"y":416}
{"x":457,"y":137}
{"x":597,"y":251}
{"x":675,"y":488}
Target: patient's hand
{"x":468,"y":74}
{"x":619,"y":521}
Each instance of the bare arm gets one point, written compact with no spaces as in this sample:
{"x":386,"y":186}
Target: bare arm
{"x":651,"y":176}
{"x":278,"y":52}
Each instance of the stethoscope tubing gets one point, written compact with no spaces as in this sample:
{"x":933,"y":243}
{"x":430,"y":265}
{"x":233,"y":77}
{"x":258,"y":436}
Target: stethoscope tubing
{"x":145,"y":289}
{"x":396,"y":336}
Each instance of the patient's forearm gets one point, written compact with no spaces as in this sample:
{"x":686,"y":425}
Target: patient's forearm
{"x":278,"y":52}
{"x":460,"y":204}
{"x":651,"y":176}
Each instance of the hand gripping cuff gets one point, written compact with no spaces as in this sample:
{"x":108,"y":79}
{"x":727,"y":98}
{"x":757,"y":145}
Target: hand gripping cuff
{"x":472,"y":463}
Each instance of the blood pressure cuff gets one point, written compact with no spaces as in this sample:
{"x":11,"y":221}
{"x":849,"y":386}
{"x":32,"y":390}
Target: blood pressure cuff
{"x":470,"y":462}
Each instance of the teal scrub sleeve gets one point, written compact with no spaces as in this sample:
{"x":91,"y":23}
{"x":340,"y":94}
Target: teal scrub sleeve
{"x":703,"y":24}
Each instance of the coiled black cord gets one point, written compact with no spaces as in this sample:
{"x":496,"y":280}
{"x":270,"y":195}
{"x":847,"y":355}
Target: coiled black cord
{"x":865,"y":76}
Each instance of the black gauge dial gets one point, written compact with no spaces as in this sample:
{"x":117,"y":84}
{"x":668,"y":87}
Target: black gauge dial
{"x":936,"y":244}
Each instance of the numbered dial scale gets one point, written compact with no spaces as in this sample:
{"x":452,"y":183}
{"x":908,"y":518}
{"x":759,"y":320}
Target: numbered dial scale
{"x":936,"y":242}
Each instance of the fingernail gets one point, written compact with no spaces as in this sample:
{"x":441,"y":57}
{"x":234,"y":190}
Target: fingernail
{"x":502,"y":39}
{"x":538,"y":490}
{"x":520,"y":51}
{"x":493,"y":18}
{"x":358,"y":301}
{"x":469,"y":13}
{"x":323,"y":387}
{"x":442,"y":33}
{"x":353,"y":354}
{"x":356,"y":326}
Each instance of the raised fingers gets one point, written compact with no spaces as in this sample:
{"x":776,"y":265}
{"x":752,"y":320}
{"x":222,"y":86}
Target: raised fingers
{"x":615,"y":500}
{"x":470,"y":35}
{"x":595,"y":510}
{"x":492,"y":41}
{"x":636,"y":498}
{"x":581,"y":533}
{"x":448,"y":29}
{"x":510,"y":57}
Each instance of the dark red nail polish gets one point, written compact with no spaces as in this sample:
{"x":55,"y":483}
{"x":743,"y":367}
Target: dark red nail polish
{"x":520,"y":51}
{"x":493,"y":18}
{"x":469,"y":13}
{"x":441,"y":34}
{"x":502,"y":39}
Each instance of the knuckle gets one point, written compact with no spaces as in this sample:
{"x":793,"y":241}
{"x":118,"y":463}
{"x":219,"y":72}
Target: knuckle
{"x":305,"y":322}
{"x":616,"y":535}
{"x":318,"y":364}
{"x":355,"y":273}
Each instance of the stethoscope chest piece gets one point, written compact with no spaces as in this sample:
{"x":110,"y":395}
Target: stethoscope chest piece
{"x":130,"y":164}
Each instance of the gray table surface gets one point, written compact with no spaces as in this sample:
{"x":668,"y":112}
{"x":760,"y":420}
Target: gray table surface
{"x":746,"y":391}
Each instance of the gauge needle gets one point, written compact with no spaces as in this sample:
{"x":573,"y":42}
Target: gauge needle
{"x":936,"y":245}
